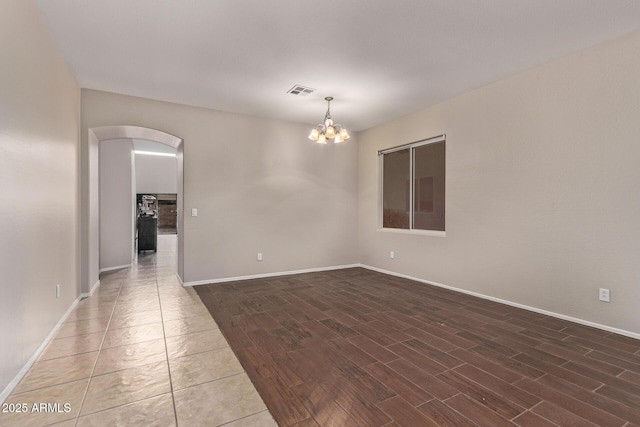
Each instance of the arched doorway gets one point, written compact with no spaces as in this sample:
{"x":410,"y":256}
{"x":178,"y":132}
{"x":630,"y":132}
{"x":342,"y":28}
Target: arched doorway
{"x":90,"y":268}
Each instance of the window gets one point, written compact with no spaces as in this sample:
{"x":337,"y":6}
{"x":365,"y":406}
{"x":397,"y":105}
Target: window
{"x":413,"y":185}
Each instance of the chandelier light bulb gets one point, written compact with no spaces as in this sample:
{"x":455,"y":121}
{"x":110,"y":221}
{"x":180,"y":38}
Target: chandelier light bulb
{"x":314,"y":134}
{"x":322,"y":139}
{"x":330,"y":132}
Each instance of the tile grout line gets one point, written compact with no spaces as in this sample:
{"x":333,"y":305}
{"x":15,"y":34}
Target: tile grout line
{"x":120,"y":405}
{"x":246,"y":416}
{"x":166,"y":349}
{"x":86,"y":390}
{"x":535,"y":413}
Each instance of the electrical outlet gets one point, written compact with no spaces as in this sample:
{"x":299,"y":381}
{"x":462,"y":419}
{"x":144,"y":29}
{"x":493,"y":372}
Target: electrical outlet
{"x":259,"y":257}
{"x":57,"y":291}
{"x":194,"y":212}
{"x":392,"y":254}
{"x":603,"y":295}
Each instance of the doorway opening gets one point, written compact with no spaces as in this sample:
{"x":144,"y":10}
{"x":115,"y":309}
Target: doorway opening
{"x":91,"y":218}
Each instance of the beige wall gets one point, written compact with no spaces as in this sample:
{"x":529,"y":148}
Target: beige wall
{"x":117,"y":203}
{"x":259,"y":186}
{"x":156,"y":174}
{"x":39,"y":121}
{"x":542,"y":192}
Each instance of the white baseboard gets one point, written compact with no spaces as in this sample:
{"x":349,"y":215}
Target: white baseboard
{"x":117,"y":267}
{"x":261,"y":276}
{"x":14,"y":382}
{"x":90,"y":293}
{"x":180,"y":279}
{"x":510,"y":303}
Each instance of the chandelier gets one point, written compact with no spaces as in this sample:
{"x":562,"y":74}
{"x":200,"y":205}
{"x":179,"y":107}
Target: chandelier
{"x":322,"y":132}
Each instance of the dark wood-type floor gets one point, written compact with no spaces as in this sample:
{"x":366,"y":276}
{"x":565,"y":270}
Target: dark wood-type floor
{"x":355,"y":347}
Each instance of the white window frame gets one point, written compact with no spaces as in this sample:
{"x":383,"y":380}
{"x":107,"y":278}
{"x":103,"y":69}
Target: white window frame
{"x":410,"y":146}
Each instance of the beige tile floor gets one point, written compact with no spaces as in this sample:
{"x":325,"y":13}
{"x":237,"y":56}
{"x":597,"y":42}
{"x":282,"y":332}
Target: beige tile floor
{"x":143,"y":351}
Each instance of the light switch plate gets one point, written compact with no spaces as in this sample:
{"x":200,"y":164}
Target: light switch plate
{"x":603,"y":295}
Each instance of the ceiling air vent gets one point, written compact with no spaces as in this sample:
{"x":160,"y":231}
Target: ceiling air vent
{"x":300,"y":90}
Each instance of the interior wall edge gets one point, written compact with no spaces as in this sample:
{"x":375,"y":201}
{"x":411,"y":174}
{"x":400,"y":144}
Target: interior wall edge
{"x":36,"y":354}
{"x":509,"y":303}
{"x":117,"y":267}
{"x":91,"y":291}
{"x":264,"y":275}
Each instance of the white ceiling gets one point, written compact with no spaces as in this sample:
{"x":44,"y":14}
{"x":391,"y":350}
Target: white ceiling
{"x":380,"y":59}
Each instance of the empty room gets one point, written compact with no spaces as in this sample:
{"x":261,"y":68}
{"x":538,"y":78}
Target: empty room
{"x":305,"y":213}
